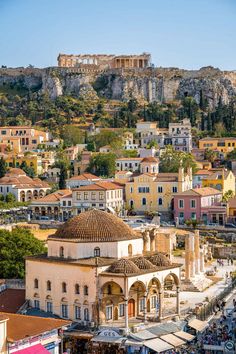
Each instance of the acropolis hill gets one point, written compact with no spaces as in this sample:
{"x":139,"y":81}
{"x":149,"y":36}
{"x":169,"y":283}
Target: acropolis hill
{"x":124,"y":77}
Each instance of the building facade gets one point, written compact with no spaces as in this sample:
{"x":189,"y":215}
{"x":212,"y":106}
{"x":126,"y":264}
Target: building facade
{"x":98,"y":271}
{"x":22,"y":138}
{"x":202,"y":204}
{"x":222,"y":145}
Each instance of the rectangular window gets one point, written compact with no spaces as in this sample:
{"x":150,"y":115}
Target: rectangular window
{"x":193,"y":203}
{"x":85,"y":196}
{"x":181,"y":203}
{"x":153,"y":302}
{"x":64,"y":203}
{"x":64,"y":311}
{"x":141,"y":304}
{"x":143,"y":189}
{"x":159,"y":189}
{"x":193,"y":216}
{"x":93,"y":195}
{"x":49,"y":306}
{"x":78,"y":196}
{"x":36,"y":304}
{"x":4,"y":132}
{"x":77,"y":312}
{"x":181,"y":215}
{"x":34,"y":141}
{"x":101,"y":195}
{"x":101,"y":205}
{"x":108,"y":313}
{"x":174,"y":189}
{"x":69,"y":202}
{"x":121,"y":310}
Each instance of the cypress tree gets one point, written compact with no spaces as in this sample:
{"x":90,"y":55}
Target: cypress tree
{"x":3,"y":169}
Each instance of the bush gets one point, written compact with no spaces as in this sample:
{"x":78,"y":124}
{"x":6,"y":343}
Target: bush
{"x":2,"y":198}
{"x":10,"y":198}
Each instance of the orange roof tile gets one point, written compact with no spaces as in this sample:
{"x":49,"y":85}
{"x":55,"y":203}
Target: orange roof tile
{"x":20,"y":327}
{"x":99,"y":186}
{"x":84,"y":176}
{"x":204,"y":191}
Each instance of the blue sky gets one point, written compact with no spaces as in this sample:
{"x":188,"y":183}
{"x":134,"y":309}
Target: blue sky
{"x":180,"y":33}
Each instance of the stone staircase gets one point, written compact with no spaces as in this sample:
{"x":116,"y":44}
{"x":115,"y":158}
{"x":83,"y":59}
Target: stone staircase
{"x":197,"y":284}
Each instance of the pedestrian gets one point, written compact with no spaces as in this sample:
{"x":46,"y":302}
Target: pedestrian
{"x":232,"y":261}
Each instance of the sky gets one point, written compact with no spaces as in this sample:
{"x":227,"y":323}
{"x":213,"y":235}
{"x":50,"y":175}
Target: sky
{"x":178,"y":33}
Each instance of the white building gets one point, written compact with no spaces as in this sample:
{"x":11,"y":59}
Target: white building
{"x":100,"y":195}
{"x":23,"y":187}
{"x":83,"y":179}
{"x":99,"y":271}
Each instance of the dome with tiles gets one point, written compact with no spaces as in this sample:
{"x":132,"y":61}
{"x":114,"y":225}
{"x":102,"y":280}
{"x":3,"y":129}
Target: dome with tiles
{"x":143,"y":263}
{"x":159,"y":260}
{"x":124,"y":266}
{"x":95,"y":226}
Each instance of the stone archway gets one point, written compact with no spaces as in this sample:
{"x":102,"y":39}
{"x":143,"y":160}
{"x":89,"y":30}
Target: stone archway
{"x":171,"y":295}
{"x":138,"y":294}
{"x":111,"y":302}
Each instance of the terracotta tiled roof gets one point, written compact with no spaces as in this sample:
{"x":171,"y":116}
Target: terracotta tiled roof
{"x":20,"y":327}
{"x":150,"y":159}
{"x":84,"y":176}
{"x":11,"y":300}
{"x":159,"y":260}
{"x":124,"y":266}
{"x":18,"y":179}
{"x":143,"y":263}
{"x":53,"y":197}
{"x":99,"y":186}
{"x":204,"y":191}
{"x":203,"y":172}
{"x":130,"y":159}
{"x":95,"y":226}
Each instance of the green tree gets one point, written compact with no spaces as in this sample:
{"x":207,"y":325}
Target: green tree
{"x":10,"y":198}
{"x":72,"y":135}
{"x":2,"y":199}
{"x":171,"y":160}
{"x":3,"y":169}
{"x":14,"y":247}
{"x":63,"y":176}
{"x":228,"y":195}
{"x":27,"y":169}
{"x":210,"y":155}
{"x":102,"y":164}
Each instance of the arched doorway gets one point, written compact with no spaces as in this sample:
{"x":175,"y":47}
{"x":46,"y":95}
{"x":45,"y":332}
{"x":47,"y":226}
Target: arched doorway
{"x":171,"y":295}
{"x":131,"y":308}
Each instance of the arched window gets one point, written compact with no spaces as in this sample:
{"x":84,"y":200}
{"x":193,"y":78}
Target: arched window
{"x":144,"y":201}
{"x":96,"y":252}
{"x":36,"y":283}
{"x":86,"y":314}
{"x":62,"y":252}
{"x":130,"y":250}
{"x":85,"y":290}
{"x":49,"y":285}
{"x":109,"y":290}
{"x":63,"y":286}
{"x":77,"y":289}
{"x":131,"y":203}
{"x":160,"y":201}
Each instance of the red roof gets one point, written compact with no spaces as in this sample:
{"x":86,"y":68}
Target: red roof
{"x":11,"y":300}
{"x":35,"y":349}
{"x":99,"y":186}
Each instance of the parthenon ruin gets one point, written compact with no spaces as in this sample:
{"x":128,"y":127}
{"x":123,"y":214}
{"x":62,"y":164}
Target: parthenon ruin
{"x":105,"y":61}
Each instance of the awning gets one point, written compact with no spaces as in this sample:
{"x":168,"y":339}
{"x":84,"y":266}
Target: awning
{"x":184,"y":335}
{"x":108,"y":339}
{"x":198,"y":325}
{"x":158,"y":345}
{"x":35,"y":349}
{"x":173,"y":340}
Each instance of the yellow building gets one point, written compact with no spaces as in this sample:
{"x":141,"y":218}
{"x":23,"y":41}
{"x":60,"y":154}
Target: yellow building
{"x":223,"y":180}
{"x":154,"y":192}
{"x":223,"y":145}
{"x":34,"y":161}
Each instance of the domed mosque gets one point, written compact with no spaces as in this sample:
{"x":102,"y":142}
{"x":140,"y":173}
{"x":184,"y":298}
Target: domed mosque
{"x":98,"y":270}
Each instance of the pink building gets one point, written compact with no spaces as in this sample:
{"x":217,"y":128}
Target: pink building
{"x":202,"y":204}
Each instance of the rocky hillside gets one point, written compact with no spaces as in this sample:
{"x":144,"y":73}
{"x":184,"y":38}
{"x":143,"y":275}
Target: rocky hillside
{"x":152,"y":84}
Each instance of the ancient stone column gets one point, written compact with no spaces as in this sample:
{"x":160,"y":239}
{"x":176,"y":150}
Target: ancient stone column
{"x":187,"y":257}
{"x":126,"y":316}
{"x":160,"y":304}
{"x":145,"y":307}
{"x":197,"y":251}
{"x":146,"y":241}
{"x":192,"y":256}
{"x":152,"y":240}
{"x":202,"y":266}
{"x":177,"y":301}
